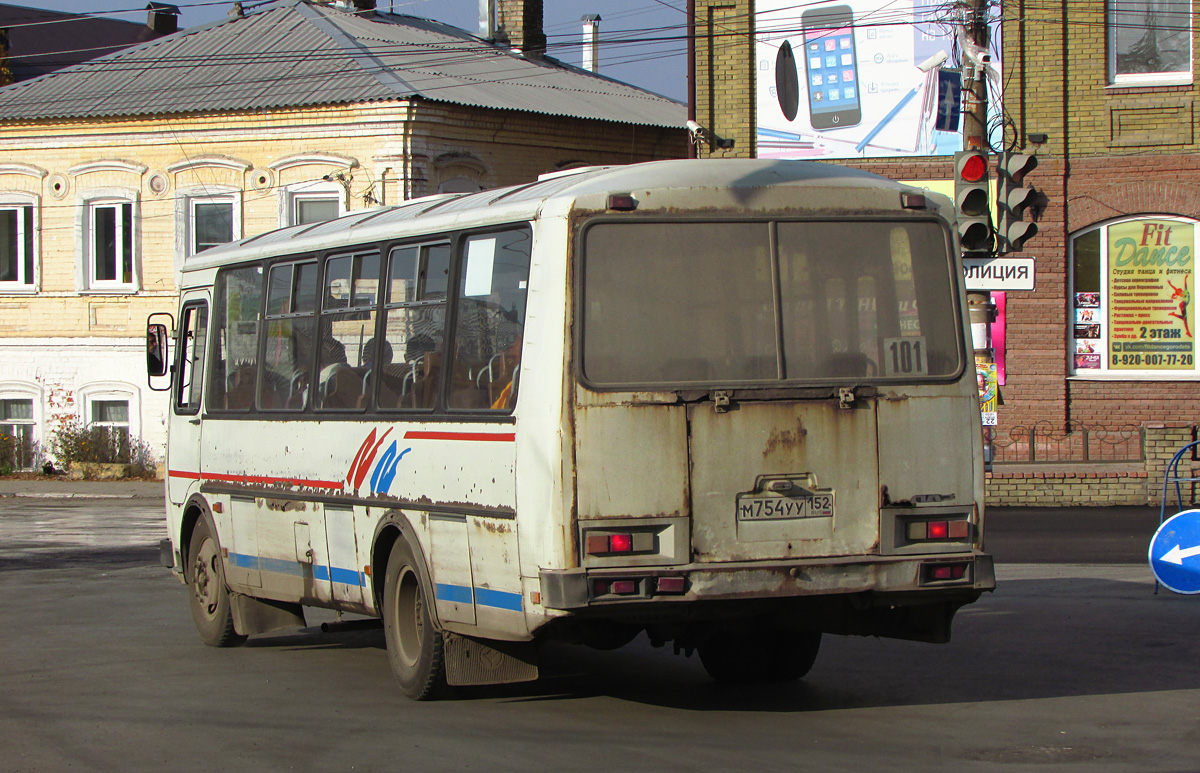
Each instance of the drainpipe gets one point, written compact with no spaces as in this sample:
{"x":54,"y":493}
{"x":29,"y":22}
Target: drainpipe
{"x":691,"y":67}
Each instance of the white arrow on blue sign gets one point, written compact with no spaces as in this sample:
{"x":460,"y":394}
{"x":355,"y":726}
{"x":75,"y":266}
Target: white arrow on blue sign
{"x":1175,"y":552}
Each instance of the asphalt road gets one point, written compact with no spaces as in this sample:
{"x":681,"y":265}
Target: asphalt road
{"x":1076,"y":664}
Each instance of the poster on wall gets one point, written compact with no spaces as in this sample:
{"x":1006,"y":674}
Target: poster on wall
{"x":1151,"y":317}
{"x":858,"y":78}
{"x":985,"y":376}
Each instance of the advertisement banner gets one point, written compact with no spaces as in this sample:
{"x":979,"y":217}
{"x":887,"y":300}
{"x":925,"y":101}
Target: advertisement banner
{"x":1151,"y":317}
{"x":859,"y":78}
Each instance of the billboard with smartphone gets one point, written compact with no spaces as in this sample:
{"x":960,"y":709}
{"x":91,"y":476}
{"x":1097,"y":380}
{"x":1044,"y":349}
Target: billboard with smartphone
{"x":858,"y":79}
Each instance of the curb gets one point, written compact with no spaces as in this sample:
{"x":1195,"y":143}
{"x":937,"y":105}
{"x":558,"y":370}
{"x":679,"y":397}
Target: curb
{"x":67,"y":495}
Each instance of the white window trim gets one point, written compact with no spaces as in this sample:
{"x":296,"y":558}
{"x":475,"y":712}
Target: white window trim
{"x":26,"y":390}
{"x":185,"y":200}
{"x":1103,"y":373}
{"x":10,"y":200}
{"x":85,"y":267}
{"x":113,"y":390}
{"x":318,"y":189}
{"x":1147,"y":79}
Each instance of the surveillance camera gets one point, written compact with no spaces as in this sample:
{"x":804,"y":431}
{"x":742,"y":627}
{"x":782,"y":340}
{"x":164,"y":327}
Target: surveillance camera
{"x":694,"y":127}
{"x":327,"y":178}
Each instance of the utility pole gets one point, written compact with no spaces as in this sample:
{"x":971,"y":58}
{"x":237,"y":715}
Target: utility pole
{"x":974,"y":45}
{"x":975,"y":39}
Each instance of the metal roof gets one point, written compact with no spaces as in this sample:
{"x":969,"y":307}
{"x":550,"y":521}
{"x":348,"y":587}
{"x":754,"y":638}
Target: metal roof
{"x":294,"y":54}
{"x":744,"y":184}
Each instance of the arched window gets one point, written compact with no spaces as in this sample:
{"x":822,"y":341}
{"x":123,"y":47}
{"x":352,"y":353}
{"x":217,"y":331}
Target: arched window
{"x":1132,"y":308}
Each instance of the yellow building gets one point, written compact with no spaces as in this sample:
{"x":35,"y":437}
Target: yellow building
{"x":114,"y":173}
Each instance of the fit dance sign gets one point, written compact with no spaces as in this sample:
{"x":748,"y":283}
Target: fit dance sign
{"x":1151,"y":317}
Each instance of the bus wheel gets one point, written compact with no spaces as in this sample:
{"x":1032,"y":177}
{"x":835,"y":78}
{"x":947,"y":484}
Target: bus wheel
{"x":414,"y":646}
{"x":772,"y":656}
{"x":210,"y":598}
{"x":733,"y":658}
{"x":791,"y":654}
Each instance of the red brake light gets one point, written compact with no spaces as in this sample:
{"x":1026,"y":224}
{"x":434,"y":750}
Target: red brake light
{"x":620,"y":543}
{"x":624,"y":587}
{"x":938,"y":530}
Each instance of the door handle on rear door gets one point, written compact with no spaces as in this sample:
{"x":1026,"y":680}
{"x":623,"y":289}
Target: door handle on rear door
{"x":193,"y":421}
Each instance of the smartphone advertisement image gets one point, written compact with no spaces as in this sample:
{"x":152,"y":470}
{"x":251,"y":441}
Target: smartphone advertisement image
{"x":858,"y":78}
{"x":831,"y":67}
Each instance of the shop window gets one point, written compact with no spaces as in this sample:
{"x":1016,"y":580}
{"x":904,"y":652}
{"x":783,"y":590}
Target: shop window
{"x":17,"y":428}
{"x":1149,"y":41}
{"x":17,"y":247}
{"x":1132,"y":308}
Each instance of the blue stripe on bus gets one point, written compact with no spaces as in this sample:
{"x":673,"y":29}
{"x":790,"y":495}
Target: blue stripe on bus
{"x":484,"y":597}
{"x":497,"y":598}
{"x":297,"y":569}
{"x":461,"y":594}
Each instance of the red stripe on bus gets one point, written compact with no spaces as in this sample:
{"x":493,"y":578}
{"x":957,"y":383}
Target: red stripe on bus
{"x":262,"y":479}
{"x":501,"y":437}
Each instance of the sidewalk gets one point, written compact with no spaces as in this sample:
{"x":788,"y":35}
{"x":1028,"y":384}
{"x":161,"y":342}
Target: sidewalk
{"x":60,"y":488}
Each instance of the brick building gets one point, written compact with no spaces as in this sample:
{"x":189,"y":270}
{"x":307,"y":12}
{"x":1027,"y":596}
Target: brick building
{"x":114,"y":173}
{"x":1102,"y":381}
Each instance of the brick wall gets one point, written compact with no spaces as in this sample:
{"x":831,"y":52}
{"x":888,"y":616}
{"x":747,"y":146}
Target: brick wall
{"x":1064,"y":485}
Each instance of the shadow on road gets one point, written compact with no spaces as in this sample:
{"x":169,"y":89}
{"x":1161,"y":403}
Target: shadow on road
{"x":1035,"y":639}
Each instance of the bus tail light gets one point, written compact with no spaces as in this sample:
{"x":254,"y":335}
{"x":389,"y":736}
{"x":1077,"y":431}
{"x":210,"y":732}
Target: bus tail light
{"x":947,"y":572}
{"x":957,"y":530}
{"x":614,"y":587}
{"x":671,"y":584}
{"x":604,"y":544}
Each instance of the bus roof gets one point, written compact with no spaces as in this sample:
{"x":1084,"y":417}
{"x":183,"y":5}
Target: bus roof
{"x":553,"y":194}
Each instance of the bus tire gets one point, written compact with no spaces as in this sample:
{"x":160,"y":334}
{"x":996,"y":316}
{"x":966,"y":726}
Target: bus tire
{"x":792,"y":654}
{"x":211,"y":608}
{"x":414,"y":645}
{"x":733,"y":658}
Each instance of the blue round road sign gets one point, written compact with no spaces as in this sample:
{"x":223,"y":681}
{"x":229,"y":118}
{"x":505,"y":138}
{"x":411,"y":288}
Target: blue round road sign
{"x":1175,"y":552}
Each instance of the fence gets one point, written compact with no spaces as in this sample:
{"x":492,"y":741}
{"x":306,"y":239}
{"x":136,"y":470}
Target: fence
{"x":1045,"y":442}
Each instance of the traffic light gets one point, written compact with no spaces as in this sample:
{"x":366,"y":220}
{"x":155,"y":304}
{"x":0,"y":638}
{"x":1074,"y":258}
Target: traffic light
{"x":972,"y":202}
{"x":1012,"y":199}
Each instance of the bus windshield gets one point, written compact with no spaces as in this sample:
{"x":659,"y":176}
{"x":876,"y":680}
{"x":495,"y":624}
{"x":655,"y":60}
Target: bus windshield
{"x":666,"y":303}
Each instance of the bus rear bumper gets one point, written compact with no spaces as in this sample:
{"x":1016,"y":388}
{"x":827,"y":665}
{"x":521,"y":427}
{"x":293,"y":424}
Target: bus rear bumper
{"x":907,"y":579}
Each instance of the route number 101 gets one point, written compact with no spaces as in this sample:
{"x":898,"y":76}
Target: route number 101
{"x":905,"y":356}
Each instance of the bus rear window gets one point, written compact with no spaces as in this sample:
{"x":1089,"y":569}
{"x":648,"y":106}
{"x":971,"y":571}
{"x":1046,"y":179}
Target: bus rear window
{"x":728,"y":303}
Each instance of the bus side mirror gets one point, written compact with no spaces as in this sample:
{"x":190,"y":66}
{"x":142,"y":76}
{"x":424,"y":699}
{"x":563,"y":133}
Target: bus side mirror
{"x":156,"y":349}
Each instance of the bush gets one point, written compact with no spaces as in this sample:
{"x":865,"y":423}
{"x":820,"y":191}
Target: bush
{"x":8,"y":454}
{"x":75,"y":441}
{"x":17,"y":453}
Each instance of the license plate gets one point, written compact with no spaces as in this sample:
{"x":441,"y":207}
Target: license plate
{"x":768,"y":507}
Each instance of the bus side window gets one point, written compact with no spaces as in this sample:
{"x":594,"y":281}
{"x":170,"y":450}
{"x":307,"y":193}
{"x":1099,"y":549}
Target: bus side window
{"x":193,"y":328}
{"x":238,"y":305}
{"x":490,"y":323}
{"x":347,"y":332}
{"x":410,"y":373}
{"x":290,"y":335}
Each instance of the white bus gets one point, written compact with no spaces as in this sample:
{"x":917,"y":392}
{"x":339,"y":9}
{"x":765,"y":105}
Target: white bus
{"x":727,"y":403}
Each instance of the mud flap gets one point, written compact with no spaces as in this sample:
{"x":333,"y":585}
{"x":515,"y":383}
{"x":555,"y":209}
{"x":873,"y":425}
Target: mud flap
{"x":251,"y":615}
{"x":472,"y":661}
